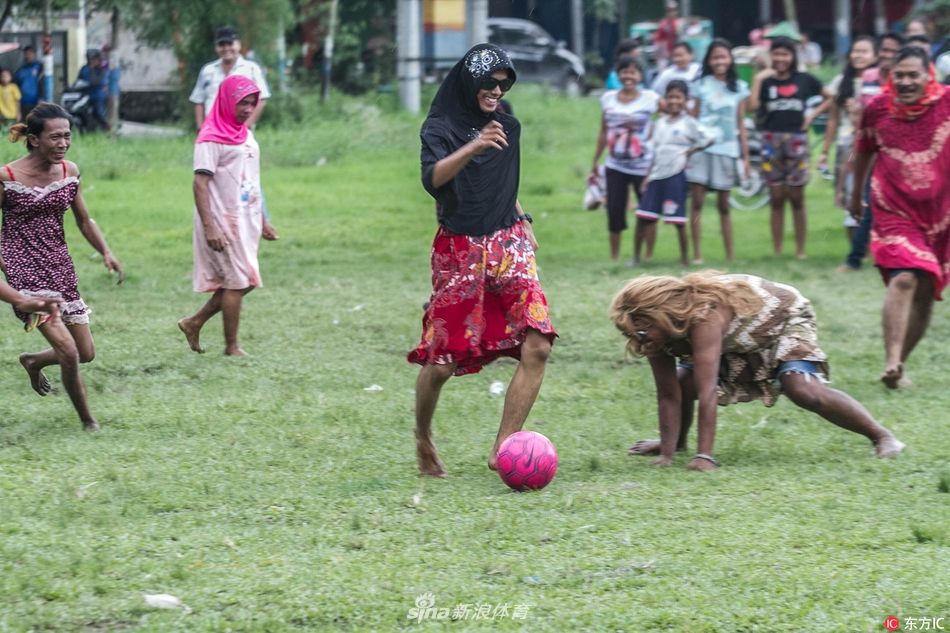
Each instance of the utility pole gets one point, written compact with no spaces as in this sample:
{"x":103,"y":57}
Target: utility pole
{"x":477,"y":22}
{"x":408,"y":51}
{"x":47,"y":52}
{"x":880,"y":18}
{"x":281,"y":58}
{"x":328,"y":54}
{"x":577,"y":27}
{"x":115,"y":71}
{"x":842,"y":29}
{"x":790,"y":14}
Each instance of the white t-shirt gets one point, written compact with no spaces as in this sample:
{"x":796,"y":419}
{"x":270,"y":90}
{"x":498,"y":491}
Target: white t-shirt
{"x":672,"y":139}
{"x":212,"y":74}
{"x":675,"y":72}
{"x":628,"y":131}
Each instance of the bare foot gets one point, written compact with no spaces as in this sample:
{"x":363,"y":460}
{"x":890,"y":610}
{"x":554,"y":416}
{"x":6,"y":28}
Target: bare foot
{"x":845,"y":268}
{"x":37,"y":379}
{"x":191,"y":335}
{"x":268,"y":232}
{"x":90,"y":426}
{"x":702,"y":464}
{"x":645,"y":447}
{"x":892,"y":376}
{"x":698,"y":261}
{"x":888,"y":446}
{"x":235,"y":351}
{"x":428,"y":459}
{"x":662,"y":461}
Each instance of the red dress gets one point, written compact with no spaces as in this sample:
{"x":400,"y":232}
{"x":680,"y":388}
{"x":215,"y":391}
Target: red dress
{"x":910,"y":188}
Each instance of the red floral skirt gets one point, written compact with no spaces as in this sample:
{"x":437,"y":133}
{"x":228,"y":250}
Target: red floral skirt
{"x":485,"y":296}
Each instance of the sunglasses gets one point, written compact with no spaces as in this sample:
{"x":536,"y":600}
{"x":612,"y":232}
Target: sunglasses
{"x":488,"y":83}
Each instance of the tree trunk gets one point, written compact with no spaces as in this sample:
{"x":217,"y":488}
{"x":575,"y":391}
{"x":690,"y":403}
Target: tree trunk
{"x":7,"y":8}
{"x":790,"y":14}
{"x":113,"y":107}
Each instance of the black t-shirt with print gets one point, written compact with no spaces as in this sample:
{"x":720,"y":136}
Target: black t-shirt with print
{"x":783,"y":101}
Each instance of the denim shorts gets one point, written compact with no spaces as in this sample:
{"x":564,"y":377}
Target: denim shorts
{"x":806,"y":367}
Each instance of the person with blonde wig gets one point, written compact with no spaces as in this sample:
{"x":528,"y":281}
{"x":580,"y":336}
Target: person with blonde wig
{"x":720,"y":339}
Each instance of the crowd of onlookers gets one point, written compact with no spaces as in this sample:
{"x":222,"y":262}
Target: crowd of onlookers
{"x":21,"y":90}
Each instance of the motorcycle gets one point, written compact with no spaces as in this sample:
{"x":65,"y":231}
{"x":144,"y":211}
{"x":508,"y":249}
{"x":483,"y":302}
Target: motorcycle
{"x":76,"y":102}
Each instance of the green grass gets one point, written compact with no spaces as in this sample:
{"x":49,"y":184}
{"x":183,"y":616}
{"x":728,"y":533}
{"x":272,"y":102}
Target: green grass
{"x":276,"y":494}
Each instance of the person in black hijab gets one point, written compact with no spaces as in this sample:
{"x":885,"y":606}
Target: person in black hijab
{"x":486,"y":297}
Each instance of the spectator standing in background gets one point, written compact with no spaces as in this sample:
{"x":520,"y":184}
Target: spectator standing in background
{"x":230,"y":62}
{"x":809,"y":53}
{"x":9,"y":98}
{"x":28,"y":77}
{"x":666,"y":35}
{"x":683,"y":68}
{"x":94,"y":73}
{"x":631,"y":47}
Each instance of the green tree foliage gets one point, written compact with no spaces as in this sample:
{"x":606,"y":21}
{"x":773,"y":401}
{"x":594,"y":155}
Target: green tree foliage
{"x":188,"y":27}
{"x":601,"y":10}
{"x":939,"y":11}
{"x":364,"y":44}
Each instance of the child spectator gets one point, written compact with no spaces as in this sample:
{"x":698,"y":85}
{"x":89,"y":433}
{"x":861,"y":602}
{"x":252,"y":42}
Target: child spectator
{"x":676,"y":136}
{"x":9,"y":98}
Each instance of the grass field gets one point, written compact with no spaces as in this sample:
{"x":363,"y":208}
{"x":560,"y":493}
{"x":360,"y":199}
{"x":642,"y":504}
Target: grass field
{"x":276,"y":493}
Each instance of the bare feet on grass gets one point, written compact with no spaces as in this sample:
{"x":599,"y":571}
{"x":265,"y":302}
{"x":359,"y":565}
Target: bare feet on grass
{"x":662,"y":461}
{"x":645,"y":447}
{"x":702,"y":464}
{"x":90,"y":426}
{"x":888,"y":446}
{"x":191,"y":335}
{"x":268,"y":232}
{"x":428,"y":459}
{"x":237,"y":352}
{"x":38,"y":380}
{"x":892,"y":376}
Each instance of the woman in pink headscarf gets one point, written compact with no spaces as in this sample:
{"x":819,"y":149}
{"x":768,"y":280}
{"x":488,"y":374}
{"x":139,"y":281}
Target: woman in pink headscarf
{"x":228,"y":219}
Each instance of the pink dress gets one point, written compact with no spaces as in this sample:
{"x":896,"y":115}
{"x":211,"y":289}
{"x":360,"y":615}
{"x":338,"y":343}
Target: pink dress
{"x":910,"y":191}
{"x":33,"y":244}
{"x":235,"y":200}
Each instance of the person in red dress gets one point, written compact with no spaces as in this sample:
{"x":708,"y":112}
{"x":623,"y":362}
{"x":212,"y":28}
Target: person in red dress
{"x":906,"y":128}
{"x":486,"y":299}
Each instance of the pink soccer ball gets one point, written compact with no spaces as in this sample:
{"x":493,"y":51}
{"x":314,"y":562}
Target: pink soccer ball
{"x":526,"y":461}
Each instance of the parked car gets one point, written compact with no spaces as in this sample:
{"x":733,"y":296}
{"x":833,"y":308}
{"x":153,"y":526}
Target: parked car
{"x":537,"y":56}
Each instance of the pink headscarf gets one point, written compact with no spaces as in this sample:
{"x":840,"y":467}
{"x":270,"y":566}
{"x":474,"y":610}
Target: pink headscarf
{"x":222,"y":125}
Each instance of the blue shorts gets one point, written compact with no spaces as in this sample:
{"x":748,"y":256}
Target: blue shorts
{"x":806,"y":367}
{"x":665,"y":198}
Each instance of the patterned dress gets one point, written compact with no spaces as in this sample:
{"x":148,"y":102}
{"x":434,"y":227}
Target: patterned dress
{"x":910,"y":191}
{"x":33,"y":244}
{"x":784,"y":329}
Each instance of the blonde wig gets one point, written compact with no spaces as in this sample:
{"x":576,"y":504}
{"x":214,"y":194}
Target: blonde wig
{"x":674,"y":304}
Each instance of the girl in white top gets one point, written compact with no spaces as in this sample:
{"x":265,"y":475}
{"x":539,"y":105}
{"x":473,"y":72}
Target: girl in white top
{"x":676,"y":136}
{"x":625,"y":131}
{"x":720,"y":103}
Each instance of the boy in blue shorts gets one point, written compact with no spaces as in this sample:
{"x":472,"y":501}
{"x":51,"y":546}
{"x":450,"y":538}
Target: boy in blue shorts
{"x":676,"y":136}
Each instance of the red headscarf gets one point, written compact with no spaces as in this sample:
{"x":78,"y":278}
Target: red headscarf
{"x":910,"y":111}
{"x":222,"y":125}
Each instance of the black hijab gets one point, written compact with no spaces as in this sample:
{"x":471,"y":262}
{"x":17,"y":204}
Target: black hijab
{"x":481,"y":198}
